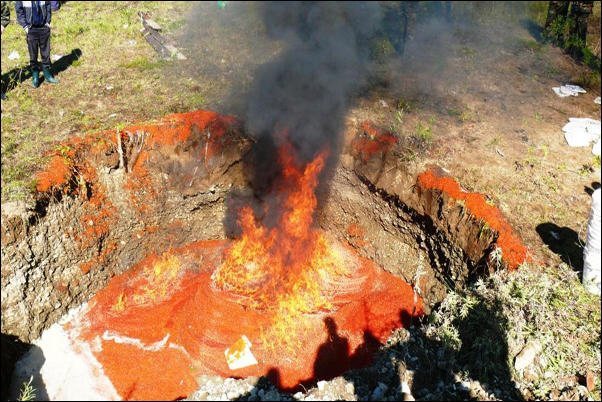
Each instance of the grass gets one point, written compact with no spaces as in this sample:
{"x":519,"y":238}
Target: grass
{"x":28,"y":392}
{"x":424,"y":132}
{"x":118,"y":78}
{"x":545,"y":304}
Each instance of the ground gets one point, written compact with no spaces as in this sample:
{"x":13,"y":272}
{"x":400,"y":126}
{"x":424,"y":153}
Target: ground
{"x":481,"y":106}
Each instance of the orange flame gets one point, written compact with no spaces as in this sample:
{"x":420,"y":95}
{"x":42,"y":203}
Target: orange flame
{"x":284,"y":268}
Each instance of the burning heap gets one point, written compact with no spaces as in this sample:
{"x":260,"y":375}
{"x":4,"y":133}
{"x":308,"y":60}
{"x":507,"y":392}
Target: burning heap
{"x":286,"y":301}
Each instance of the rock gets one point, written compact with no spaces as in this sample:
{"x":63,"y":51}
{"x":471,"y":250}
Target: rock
{"x":527,"y":355}
{"x":379,"y":392}
{"x":589,"y":381}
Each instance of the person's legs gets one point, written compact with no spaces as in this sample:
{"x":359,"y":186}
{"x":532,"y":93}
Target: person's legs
{"x":45,"y":52}
{"x":33,"y":45}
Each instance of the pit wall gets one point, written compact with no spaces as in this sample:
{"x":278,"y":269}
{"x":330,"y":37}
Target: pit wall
{"x":107,"y":200}
{"x":468,"y":236}
{"x":99,"y":211}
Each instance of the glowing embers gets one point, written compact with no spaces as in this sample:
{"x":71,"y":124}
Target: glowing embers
{"x":310,"y":307}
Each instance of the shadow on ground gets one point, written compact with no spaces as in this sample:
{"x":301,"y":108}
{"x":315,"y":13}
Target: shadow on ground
{"x":427,"y":365}
{"x":533,"y":28}
{"x":13,"y":350}
{"x":17,"y":75}
{"x":563,"y":241}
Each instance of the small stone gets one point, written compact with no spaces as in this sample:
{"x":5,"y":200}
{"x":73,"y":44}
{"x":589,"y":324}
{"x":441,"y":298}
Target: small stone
{"x":527,"y":355}
{"x":298,"y":395}
{"x":321,"y":385}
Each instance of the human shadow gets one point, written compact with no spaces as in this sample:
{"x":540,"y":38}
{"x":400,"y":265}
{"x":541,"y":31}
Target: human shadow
{"x":17,"y":75}
{"x":534,"y":29}
{"x":429,"y":367}
{"x":563,"y":241}
{"x":14,"y":378}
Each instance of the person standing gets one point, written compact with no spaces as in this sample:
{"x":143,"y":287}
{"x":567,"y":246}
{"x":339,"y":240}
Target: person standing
{"x":35,"y":17}
{"x":5,"y":11}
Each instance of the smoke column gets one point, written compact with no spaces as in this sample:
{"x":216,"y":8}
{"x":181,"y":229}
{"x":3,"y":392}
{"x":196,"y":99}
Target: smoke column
{"x":307,"y":89}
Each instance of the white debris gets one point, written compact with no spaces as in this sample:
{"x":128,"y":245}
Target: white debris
{"x":239,"y":354}
{"x":56,"y":57}
{"x":596,"y":148}
{"x":568,"y":90}
{"x":406,"y":392}
{"x":597,"y":100}
{"x":591,"y":251}
{"x":581,"y":132}
{"x":14,"y":55}
{"x":383,"y":103}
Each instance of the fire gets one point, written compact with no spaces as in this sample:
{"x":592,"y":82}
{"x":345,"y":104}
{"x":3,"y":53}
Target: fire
{"x":284,"y":268}
{"x":274,"y":287}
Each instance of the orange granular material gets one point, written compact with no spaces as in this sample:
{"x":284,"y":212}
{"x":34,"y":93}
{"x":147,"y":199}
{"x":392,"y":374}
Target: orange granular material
{"x":56,"y":174}
{"x":373,"y":141}
{"x":355,"y":230}
{"x":204,"y":321}
{"x":514,"y":253}
{"x":177,"y":381}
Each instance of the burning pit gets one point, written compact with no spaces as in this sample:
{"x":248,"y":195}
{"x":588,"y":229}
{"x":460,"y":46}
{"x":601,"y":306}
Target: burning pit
{"x":172,"y":266}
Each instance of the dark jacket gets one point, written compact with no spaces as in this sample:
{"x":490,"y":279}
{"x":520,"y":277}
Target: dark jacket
{"x":24,"y":13}
{"x":5,"y":14}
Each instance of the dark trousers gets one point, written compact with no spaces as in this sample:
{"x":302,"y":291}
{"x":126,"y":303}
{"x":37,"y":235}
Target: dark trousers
{"x":39,"y":39}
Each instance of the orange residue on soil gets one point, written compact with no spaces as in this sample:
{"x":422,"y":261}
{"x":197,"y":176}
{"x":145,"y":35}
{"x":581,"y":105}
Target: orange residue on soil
{"x":56,"y":174}
{"x":372,"y":141}
{"x":311,"y":307}
{"x":355,"y":230}
{"x":514,"y":253}
{"x":210,"y":129}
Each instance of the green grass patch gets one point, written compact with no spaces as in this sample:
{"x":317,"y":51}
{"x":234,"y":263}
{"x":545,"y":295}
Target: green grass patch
{"x":424,"y":132}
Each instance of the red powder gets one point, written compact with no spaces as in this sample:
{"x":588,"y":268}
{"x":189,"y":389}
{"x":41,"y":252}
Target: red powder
{"x":158,"y":297}
{"x":514,"y":253}
{"x":372,"y":141}
{"x":56,"y":174}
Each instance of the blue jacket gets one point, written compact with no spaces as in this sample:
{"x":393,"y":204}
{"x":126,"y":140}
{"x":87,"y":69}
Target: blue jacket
{"x":24,"y":12}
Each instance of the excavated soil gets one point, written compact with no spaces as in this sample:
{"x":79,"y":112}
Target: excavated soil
{"x":108,"y":200}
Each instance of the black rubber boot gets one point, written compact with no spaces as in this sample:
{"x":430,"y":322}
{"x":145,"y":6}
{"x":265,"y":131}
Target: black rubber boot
{"x":48,"y":77}
{"x":35,"y":78}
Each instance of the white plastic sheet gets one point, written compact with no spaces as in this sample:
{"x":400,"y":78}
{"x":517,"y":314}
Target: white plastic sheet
{"x":581,"y":132}
{"x":568,"y":90}
{"x":591,"y":251}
